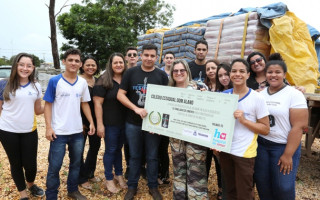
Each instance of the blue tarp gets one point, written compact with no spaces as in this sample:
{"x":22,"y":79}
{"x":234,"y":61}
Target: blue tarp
{"x":265,"y":13}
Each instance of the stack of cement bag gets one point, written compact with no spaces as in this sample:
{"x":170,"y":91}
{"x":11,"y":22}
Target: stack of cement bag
{"x":236,"y":37}
{"x":181,"y":41}
{"x":152,"y":38}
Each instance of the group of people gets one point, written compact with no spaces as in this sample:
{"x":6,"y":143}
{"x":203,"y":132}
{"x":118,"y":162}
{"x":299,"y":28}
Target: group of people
{"x":265,"y":148}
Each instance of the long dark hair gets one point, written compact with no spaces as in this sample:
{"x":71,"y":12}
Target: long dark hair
{"x":252,"y":73}
{"x":219,"y":86}
{"x":106,"y":78}
{"x":14,"y":80}
{"x":207,"y":80}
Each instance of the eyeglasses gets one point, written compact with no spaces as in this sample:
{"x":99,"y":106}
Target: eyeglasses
{"x":132,"y":54}
{"x":258,"y":60}
{"x":176,"y":71}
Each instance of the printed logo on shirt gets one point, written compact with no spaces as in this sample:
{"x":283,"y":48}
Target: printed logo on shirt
{"x":141,"y":90}
{"x":65,"y":94}
{"x":219,"y":138}
{"x":30,"y":93}
{"x":199,"y":78}
{"x":78,"y":95}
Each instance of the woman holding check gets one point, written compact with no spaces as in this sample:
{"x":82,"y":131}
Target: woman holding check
{"x":189,"y":166}
{"x":251,"y":120}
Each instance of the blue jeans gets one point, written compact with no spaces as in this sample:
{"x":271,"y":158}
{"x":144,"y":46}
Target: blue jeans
{"x":113,"y":141}
{"x":271,"y":183}
{"x":56,"y":154}
{"x":136,"y":139}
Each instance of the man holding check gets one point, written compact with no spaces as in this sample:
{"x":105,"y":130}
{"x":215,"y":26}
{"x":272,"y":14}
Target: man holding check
{"x":132,"y":94}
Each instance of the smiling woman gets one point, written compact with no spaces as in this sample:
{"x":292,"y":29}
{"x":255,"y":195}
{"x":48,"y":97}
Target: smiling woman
{"x":188,"y":158}
{"x":251,"y":118}
{"x":20,"y":99}
{"x":279,"y":152}
{"x":110,"y":115}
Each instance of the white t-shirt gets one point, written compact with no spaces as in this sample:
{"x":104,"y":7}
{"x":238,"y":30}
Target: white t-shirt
{"x":17,"y":115}
{"x":279,"y":105}
{"x":244,"y":142}
{"x":66,"y":99}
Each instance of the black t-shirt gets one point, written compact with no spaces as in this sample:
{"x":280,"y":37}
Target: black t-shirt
{"x":84,"y":118}
{"x":135,"y":82}
{"x":196,"y":69}
{"x":113,"y":111}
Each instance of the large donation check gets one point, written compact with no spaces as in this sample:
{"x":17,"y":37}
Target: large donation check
{"x":204,"y":118}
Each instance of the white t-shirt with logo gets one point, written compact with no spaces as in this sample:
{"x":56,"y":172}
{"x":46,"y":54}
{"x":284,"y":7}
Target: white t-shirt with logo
{"x":17,"y":115}
{"x":279,"y":105}
{"x":66,"y":99}
{"x":244,"y":142}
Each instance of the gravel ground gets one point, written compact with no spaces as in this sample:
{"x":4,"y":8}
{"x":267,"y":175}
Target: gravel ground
{"x":307,"y":182}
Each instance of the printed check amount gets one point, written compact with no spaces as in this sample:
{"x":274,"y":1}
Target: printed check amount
{"x":204,"y":118}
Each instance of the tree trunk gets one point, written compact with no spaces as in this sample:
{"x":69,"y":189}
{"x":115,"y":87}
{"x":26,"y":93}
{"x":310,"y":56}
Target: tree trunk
{"x":53,"y":38}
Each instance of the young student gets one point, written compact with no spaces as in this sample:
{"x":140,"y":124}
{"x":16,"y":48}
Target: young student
{"x":131,"y":94}
{"x":211,"y":81}
{"x":88,"y":70}
{"x":20,"y":99}
{"x":223,"y":77}
{"x":131,"y":56}
{"x":251,"y":120}
{"x":198,"y":66}
{"x":63,"y":97}
{"x":163,"y":155}
{"x":168,"y":59}
{"x":279,"y":152}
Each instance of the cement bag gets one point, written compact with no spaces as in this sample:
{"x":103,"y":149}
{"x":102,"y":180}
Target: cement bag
{"x":181,"y":41}
{"x":236,"y":36}
{"x":290,"y":37}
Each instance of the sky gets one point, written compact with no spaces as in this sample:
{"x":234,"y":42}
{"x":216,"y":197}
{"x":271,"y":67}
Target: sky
{"x":25,"y":23}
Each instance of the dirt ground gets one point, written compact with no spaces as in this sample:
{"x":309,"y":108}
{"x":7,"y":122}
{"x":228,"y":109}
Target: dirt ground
{"x":307,"y":182}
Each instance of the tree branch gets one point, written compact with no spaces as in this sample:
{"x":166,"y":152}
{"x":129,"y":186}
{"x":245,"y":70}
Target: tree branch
{"x":64,"y":5}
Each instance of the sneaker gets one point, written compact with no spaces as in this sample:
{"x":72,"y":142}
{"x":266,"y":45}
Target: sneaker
{"x":154,"y":192}
{"x":76,"y":195}
{"x":130,"y":194}
{"x":36,"y":191}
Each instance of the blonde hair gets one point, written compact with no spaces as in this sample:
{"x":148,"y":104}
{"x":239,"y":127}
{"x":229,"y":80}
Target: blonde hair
{"x":172,"y":82}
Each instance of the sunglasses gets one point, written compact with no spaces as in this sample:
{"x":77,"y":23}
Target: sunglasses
{"x":132,"y":54}
{"x":176,"y":71}
{"x":258,"y":60}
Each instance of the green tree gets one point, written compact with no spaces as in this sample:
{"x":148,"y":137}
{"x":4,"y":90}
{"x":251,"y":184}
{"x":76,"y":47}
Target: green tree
{"x":108,"y":26}
{"x":4,"y":61}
